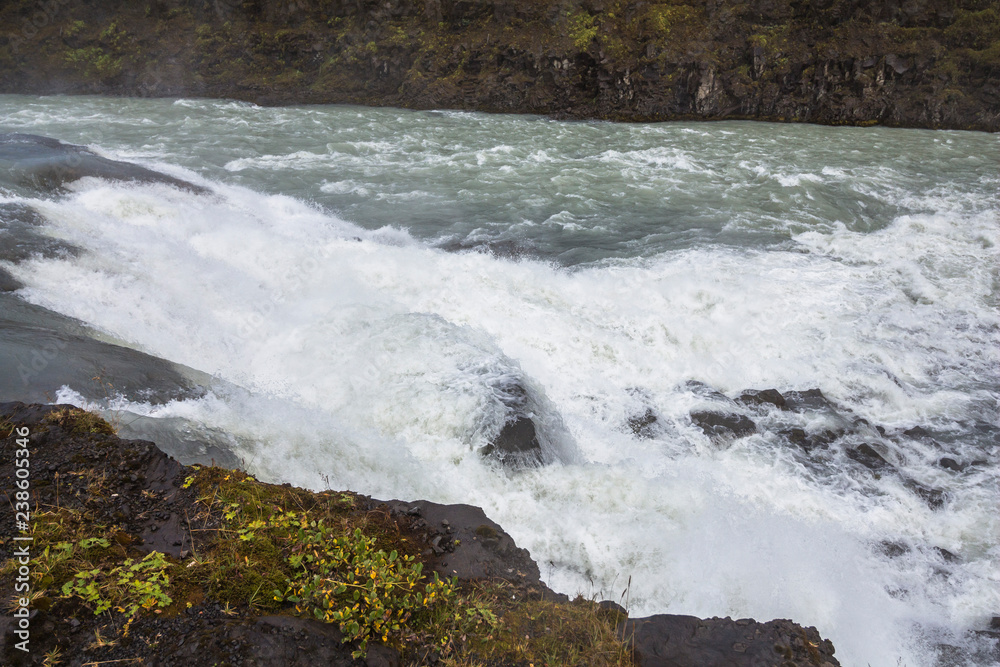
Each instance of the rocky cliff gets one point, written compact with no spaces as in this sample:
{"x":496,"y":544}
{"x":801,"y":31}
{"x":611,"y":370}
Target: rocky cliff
{"x":917,"y":63}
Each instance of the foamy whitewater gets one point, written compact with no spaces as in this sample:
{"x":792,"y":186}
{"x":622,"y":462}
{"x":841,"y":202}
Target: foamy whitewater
{"x":357,"y":282}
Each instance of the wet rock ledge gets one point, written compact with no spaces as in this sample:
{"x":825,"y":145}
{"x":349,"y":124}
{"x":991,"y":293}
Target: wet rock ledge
{"x":137,"y":501}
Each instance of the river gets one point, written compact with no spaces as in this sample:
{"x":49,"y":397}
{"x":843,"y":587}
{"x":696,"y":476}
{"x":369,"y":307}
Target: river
{"x":353,"y":287}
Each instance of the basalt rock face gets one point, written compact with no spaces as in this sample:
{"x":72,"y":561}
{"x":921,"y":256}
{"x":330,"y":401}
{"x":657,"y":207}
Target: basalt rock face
{"x":920,"y":63}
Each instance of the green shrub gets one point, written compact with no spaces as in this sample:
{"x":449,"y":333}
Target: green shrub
{"x":344,"y":579}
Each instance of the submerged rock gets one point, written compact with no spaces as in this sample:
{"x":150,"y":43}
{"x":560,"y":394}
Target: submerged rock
{"x":866,"y":455}
{"x":21,"y":235}
{"x":763,"y":397}
{"x":935,"y":498}
{"x":808,"y":400}
{"x":917,"y":433}
{"x":893,"y":549}
{"x":703,"y":390}
{"x":642,"y":425}
{"x":951,"y":464}
{"x":9,"y":283}
{"x":41,"y":351}
{"x":46,"y":163}
{"x":517,"y":442}
{"x":809,"y":441}
{"x":719,"y":425}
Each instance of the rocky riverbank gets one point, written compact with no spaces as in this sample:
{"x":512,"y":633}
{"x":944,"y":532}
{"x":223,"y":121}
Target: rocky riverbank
{"x":926,"y":63}
{"x":137,"y":559}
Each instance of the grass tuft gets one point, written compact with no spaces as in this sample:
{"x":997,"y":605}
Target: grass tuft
{"x":79,"y":422}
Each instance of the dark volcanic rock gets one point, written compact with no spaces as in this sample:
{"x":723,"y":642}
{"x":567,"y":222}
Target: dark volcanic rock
{"x":866,"y":455}
{"x":47,"y":163}
{"x":917,"y":433}
{"x":642,"y":425}
{"x":951,"y":464}
{"x":809,"y":441}
{"x":21,"y":237}
{"x":893,"y":549}
{"x":517,"y":437}
{"x":517,"y":443}
{"x":40,"y":355}
{"x":935,"y":498}
{"x":762,"y":397}
{"x":9,"y":283}
{"x":685,"y":641}
{"x":270,"y":641}
{"x":719,"y":425}
{"x":471,"y":545}
{"x":808,"y":400}
{"x":705,"y":391}
{"x":147,"y":480}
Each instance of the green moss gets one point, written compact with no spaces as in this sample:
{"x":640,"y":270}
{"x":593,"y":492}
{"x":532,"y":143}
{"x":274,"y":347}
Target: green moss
{"x":74,"y":28}
{"x":665,"y":19}
{"x":397,"y":36}
{"x":581,"y":29}
{"x":975,"y":30}
{"x":986,"y":57}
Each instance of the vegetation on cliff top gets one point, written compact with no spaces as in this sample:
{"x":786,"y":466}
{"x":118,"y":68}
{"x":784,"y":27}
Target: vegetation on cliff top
{"x":934,"y":62}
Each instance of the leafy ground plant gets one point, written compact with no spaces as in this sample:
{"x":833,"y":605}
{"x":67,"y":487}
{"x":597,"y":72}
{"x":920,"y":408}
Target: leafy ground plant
{"x":330,"y":560}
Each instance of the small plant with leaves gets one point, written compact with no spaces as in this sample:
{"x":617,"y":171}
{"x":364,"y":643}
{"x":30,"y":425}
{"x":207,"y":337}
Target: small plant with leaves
{"x":344,"y":579}
{"x":128,"y":588}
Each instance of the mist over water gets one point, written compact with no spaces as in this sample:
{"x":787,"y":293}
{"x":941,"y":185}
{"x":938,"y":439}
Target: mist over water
{"x":358,"y":282}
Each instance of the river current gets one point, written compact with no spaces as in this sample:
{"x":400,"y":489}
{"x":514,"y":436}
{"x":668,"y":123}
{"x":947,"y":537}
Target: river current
{"x":351,"y":285}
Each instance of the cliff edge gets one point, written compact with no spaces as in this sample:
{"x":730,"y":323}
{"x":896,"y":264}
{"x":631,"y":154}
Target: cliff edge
{"x":121,"y":555}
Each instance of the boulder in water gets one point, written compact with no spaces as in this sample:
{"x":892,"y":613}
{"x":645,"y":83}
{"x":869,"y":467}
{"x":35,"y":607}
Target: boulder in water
{"x":762,"y":397}
{"x":642,"y":425}
{"x":808,"y":400}
{"x":517,"y":442}
{"x":720,"y":425}
{"x":934,"y":498}
{"x":949,"y":463}
{"x":866,"y":455}
{"x":9,"y":283}
{"x":704,"y":391}
{"x":809,"y":441}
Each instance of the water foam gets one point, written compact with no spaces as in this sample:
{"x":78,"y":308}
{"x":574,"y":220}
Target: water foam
{"x":369,"y":364}
{"x":362,"y":358}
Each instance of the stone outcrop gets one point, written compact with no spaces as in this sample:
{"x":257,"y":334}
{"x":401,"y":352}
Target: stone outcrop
{"x":925,"y":63}
{"x":48,"y":164}
{"x":668,"y":640}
